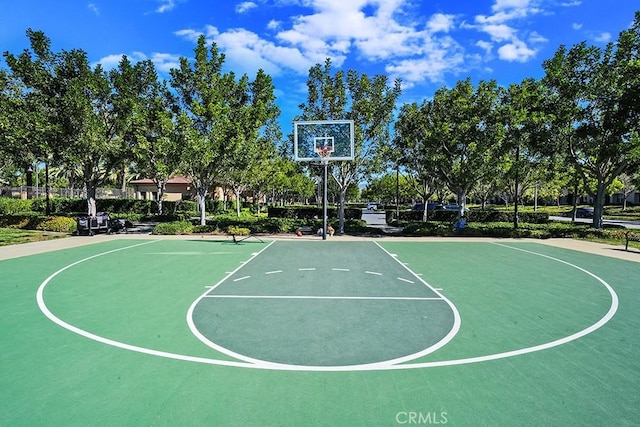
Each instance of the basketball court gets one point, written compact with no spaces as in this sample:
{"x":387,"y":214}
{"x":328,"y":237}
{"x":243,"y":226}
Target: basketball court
{"x":194,"y":331}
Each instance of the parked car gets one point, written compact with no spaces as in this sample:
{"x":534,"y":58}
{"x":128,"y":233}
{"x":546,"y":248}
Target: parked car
{"x":451,"y":207}
{"x":372,"y":206}
{"x":585,"y":212}
{"x":431,"y":206}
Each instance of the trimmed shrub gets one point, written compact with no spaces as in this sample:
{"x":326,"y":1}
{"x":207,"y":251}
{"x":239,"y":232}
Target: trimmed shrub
{"x":238,"y":231}
{"x":11,"y":206}
{"x":204,"y":229}
{"x":472,"y":216}
{"x":173,"y":228}
{"x":16,"y":221}
{"x":311,"y":212}
{"x":60,"y":224}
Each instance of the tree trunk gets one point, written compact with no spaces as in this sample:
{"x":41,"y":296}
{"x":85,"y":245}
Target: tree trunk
{"x":202,"y":195}
{"x":462,"y":203}
{"x":91,"y":199}
{"x":160,"y":185}
{"x":598,"y":205}
{"x":343,"y":192}
{"x":237,"y":193}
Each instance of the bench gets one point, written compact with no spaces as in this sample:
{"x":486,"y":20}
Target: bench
{"x":630,"y":237}
{"x":306,"y":229}
{"x":240,"y":234}
{"x":242,"y":237}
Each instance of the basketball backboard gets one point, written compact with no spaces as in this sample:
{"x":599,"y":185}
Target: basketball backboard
{"x":333,"y":138}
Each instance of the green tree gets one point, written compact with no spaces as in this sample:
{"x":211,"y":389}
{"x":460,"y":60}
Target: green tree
{"x":256,"y":131}
{"x":528,"y":139}
{"x":30,"y":94}
{"x":597,"y":99}
{"x":627,"y":184}
{"x":369,"y":102}
{"x":418,"y":150}
{"x":384,"y":188}
{"x":16,"y":150}
{"x":150,"y":131}
{"x":288,"y":182}
{"x":76,"y":124}
{"x":468,"y":125}
{"x":220,"y":117}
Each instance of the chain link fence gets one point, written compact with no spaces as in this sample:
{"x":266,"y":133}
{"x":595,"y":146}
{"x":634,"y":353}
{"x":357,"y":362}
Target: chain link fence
{"x":25,"y":192}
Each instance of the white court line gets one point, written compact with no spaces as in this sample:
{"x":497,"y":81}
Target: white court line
{"x":241,"y":278}
{"x":374,"y":273}
{"x":307,"y":269}
{"x":389,"y":365}
{"x":313,"y":297}
{"x":405,"y":280}
{"x":340,"y":269}
{"x":456,"y":316}
{"x":273,"y":272}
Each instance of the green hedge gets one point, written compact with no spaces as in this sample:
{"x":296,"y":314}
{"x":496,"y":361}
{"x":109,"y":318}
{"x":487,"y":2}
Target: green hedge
{"x":506,"y":230}
{"x":172,"y":228}
{"x":472,"y":216}
{"x":311,"y":212}
{"x":11,"y":206}
{"x":61,"y":224}
{"x":259,"y":225}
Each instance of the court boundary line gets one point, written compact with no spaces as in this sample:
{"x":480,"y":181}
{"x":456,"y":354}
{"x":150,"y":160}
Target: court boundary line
{"x":236,"y":364}
{"x":313,"y":297}
{"x":362,"y":366}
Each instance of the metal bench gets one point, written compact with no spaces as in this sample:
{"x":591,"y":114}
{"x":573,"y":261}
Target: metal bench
{"x":306,"y":229}
{"x":630,"y":237}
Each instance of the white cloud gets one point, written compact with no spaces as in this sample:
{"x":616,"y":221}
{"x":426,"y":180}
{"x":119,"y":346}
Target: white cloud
{"x":162,"y":61}
{"x":510,"y":4}
{"x":94,"y":8}
{"x":274,"y":25}
{"x":603,"y":37}
{"x":516,"y":51}
{"x":412,"y":47}
{"x":536,"y":38}
{"x":165,"y":61}
{"x":502,"y":28}
{"x":246,"y":52}
{"x":499,"y":33}
{"x":486,"y":46}
{"x":571,"y":3}
{"x":431,"y":68}
{"x":191,"y":35}
{"x":245,"y":6}
{"x":440,"y":23}
{"x":576,"y":26}
{"x":166,"y":6}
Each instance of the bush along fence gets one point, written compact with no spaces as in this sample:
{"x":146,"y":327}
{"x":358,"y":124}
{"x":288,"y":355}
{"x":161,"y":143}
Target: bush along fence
{"x":472,"y":216}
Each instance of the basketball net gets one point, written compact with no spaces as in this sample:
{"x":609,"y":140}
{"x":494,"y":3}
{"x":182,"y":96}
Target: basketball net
{"x":324,"y":152}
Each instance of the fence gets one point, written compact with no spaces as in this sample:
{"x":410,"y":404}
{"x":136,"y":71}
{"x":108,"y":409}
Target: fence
{"x":25,"y":192}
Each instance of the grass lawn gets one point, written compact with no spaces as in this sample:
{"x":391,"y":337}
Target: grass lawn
{"x":12,"y":236}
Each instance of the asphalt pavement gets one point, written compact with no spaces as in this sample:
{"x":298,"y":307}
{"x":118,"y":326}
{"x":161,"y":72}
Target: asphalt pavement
{"x":619,"y":222}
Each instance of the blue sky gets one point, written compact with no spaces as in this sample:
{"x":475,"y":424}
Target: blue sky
{"x":428,"y":44}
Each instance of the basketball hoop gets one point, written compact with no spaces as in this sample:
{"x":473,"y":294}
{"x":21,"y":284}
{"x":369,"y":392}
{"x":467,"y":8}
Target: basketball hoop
{"x":324,"y":152}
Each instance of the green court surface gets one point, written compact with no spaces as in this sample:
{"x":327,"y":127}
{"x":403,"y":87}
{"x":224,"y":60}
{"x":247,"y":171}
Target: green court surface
{"x":375,"y":332}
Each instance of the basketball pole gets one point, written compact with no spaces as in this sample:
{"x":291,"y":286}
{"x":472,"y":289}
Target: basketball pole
{"x":324,"y":200}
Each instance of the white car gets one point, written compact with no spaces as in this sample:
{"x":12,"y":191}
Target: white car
{"x":372,"y":206}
